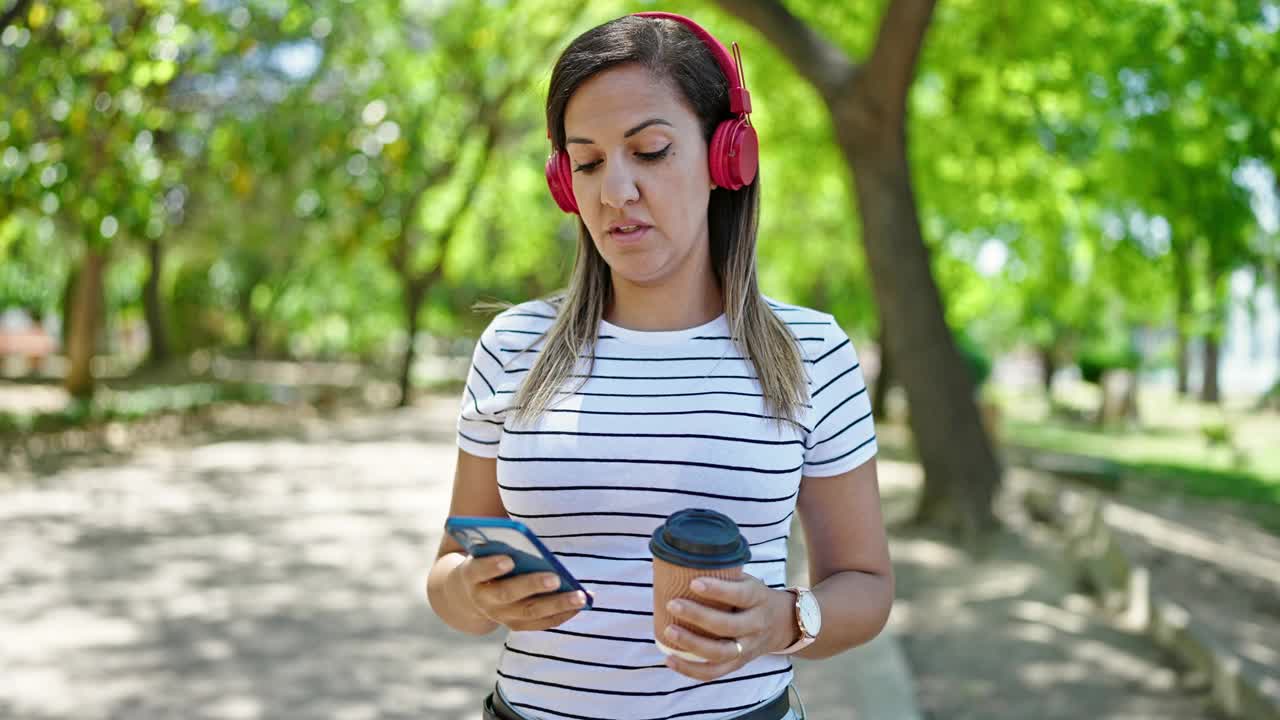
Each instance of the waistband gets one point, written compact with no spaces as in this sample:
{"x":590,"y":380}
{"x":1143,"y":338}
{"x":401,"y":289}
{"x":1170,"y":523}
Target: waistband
{"x":496,"y":707}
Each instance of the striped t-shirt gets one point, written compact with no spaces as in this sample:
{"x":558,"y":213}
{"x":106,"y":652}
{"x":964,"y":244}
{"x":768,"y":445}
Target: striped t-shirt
{"x":667,"y":420}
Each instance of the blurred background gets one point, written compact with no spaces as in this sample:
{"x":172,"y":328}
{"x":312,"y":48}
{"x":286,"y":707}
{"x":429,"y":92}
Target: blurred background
{"x":241,"y":244}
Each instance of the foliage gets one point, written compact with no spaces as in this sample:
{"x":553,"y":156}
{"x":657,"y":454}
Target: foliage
{"x":1078,"y":167}
{"x":976,"y":357}
{"x":1096,"y":360}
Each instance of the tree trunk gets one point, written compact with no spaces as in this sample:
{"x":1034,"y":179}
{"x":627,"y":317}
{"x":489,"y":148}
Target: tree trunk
{"x":1184,"y":363}
{"x":253,"y":335}
{"x":962,"y":472}
{"x":252,"y":323}
{"x":1218,"y":314}
{"x":1119,"y":397}
{"x":414,"y":291}
{"x":84,"y":320}
{"x":158,"y":352}
{"x":1182,"y":313}
{"x":67,"y":301}
{"x":868,"y":104}
{"x":1048,"y":368}
{"x":884,"y":379}
{"x":1129,"y":409}
{"x":1209,"y":391}
{"x":1275,"y":294}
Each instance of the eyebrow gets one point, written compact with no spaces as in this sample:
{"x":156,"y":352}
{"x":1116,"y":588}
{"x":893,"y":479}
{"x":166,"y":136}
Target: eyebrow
{"x":627,"y":134}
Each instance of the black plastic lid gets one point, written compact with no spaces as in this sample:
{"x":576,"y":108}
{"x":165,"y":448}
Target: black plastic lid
{"x":700,"y":538}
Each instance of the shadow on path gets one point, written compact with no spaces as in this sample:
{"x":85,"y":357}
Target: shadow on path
{"x":278,"y":575}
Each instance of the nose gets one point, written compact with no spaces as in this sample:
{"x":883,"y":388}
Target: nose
{"x":619,"y":187}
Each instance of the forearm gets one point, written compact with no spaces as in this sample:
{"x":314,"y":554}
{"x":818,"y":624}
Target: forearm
{"x":855,"y":608}
{"x":446,"y":599}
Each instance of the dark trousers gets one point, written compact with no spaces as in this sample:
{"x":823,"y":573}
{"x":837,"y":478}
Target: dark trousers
{"x":495,"y":708}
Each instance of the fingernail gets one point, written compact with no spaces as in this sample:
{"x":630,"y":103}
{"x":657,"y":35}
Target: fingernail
{"x":698,"y":586}
{"x":550,"y":582}
{"x":671,"y":633}
{"x":675,"y":606}
{"x":505,"y":565}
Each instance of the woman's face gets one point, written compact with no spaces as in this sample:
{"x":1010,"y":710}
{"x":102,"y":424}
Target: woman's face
{"x":638,"y":159}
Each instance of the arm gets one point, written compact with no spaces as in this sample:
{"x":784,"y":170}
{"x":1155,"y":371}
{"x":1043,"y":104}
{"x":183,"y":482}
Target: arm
{"x":475,"y":492}
{"x":849,"y":565}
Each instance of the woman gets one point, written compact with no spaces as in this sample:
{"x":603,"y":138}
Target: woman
{"x":661,"y":379}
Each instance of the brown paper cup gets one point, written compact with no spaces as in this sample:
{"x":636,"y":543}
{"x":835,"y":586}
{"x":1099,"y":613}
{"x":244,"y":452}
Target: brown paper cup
{"x":671,"y":582}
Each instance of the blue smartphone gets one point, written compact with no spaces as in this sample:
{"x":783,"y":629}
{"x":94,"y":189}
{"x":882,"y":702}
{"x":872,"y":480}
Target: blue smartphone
{"x":485,"y":536}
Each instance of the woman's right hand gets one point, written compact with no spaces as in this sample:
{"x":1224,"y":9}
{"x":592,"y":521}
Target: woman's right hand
{"x":511,"y":601}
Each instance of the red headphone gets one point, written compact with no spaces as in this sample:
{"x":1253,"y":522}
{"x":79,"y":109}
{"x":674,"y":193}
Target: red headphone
{"x":734,"y":152}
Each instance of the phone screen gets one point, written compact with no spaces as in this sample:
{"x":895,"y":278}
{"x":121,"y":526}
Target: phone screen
{"x":495,"y":540}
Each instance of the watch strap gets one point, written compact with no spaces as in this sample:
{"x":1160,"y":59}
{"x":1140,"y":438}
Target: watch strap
{"x":805,"y":638}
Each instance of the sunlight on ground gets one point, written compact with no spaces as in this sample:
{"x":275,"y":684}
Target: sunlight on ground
{"x":1038,"y":612}
{"x":236,"y":708}
{"x":27,"y":398}
{"x":1185,"y":540}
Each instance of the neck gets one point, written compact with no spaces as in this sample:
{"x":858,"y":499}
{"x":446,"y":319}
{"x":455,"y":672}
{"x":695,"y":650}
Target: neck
{"x":687,"y":300}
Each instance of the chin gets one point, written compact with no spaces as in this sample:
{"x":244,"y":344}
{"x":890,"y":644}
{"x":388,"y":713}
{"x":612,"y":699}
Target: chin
{"x":638,"y":277}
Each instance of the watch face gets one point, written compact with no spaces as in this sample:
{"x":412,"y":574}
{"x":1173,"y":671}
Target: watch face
{"x":810,"y":613}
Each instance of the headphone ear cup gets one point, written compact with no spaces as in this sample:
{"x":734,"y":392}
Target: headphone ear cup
{"x":717,"y":154}
{"x":734,"y":154}
{"x":745,"y":158}
{"x":560,"y":181}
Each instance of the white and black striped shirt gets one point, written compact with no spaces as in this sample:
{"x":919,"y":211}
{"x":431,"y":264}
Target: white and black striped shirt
{"x":666,"y":420}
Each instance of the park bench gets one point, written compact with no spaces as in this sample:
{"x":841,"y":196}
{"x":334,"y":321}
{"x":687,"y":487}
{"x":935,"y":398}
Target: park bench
{"x":29,"y":346}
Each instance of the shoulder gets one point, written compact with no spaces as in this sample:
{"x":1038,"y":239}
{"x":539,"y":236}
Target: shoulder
{"x":814,"y":329}
{"x":511,"y":333}
{"x":520,"y":325}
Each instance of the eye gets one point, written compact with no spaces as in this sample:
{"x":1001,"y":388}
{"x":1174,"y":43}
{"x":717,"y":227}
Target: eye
{"x":656,"y":155}
{"x":647,"y":157}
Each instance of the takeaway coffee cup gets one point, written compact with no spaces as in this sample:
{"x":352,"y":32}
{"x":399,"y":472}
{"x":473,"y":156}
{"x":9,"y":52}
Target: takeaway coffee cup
{"x":690,"y":544}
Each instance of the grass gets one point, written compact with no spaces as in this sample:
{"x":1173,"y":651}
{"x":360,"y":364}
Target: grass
{"x":1227,"y":452}
{"x":1181,"y":461}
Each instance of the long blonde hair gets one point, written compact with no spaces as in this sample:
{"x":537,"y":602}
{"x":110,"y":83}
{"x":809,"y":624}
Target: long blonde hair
{"x":668,"y":50}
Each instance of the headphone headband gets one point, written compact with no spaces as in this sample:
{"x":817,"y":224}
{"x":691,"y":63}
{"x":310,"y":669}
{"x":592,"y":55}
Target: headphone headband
{"x":739,"y":98}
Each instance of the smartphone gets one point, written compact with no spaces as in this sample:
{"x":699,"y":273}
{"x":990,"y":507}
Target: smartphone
{"x":485,"y":536}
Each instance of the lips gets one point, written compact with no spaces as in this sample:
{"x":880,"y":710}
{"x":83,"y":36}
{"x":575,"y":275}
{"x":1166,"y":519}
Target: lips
{"x":627,"y":226}
{"x":629,"y":234}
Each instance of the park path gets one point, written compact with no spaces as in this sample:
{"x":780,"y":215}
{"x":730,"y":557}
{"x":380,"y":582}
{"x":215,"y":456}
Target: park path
{"x":273,"y":571}
{"x":1010,"y":636}
{"x":277,"y":572}
{"x":257,"y":575}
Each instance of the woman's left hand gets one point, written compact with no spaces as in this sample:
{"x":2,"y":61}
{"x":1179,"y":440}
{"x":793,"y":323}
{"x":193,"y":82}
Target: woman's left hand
{"x":764,"y":622}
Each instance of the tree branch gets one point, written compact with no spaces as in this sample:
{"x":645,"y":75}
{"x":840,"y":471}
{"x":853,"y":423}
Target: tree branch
{"x":888,"y":73}
{"x":493,"y":131}
{"x":817,"y":59}
{"x":13,"y":13}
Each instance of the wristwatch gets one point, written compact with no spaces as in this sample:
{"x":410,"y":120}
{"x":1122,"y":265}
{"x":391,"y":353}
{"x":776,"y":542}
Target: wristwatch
{"x":808,"y":619}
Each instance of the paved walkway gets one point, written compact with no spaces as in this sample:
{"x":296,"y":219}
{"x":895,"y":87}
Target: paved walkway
{"x":270,"y":575}
{"x":1008,"y":637}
